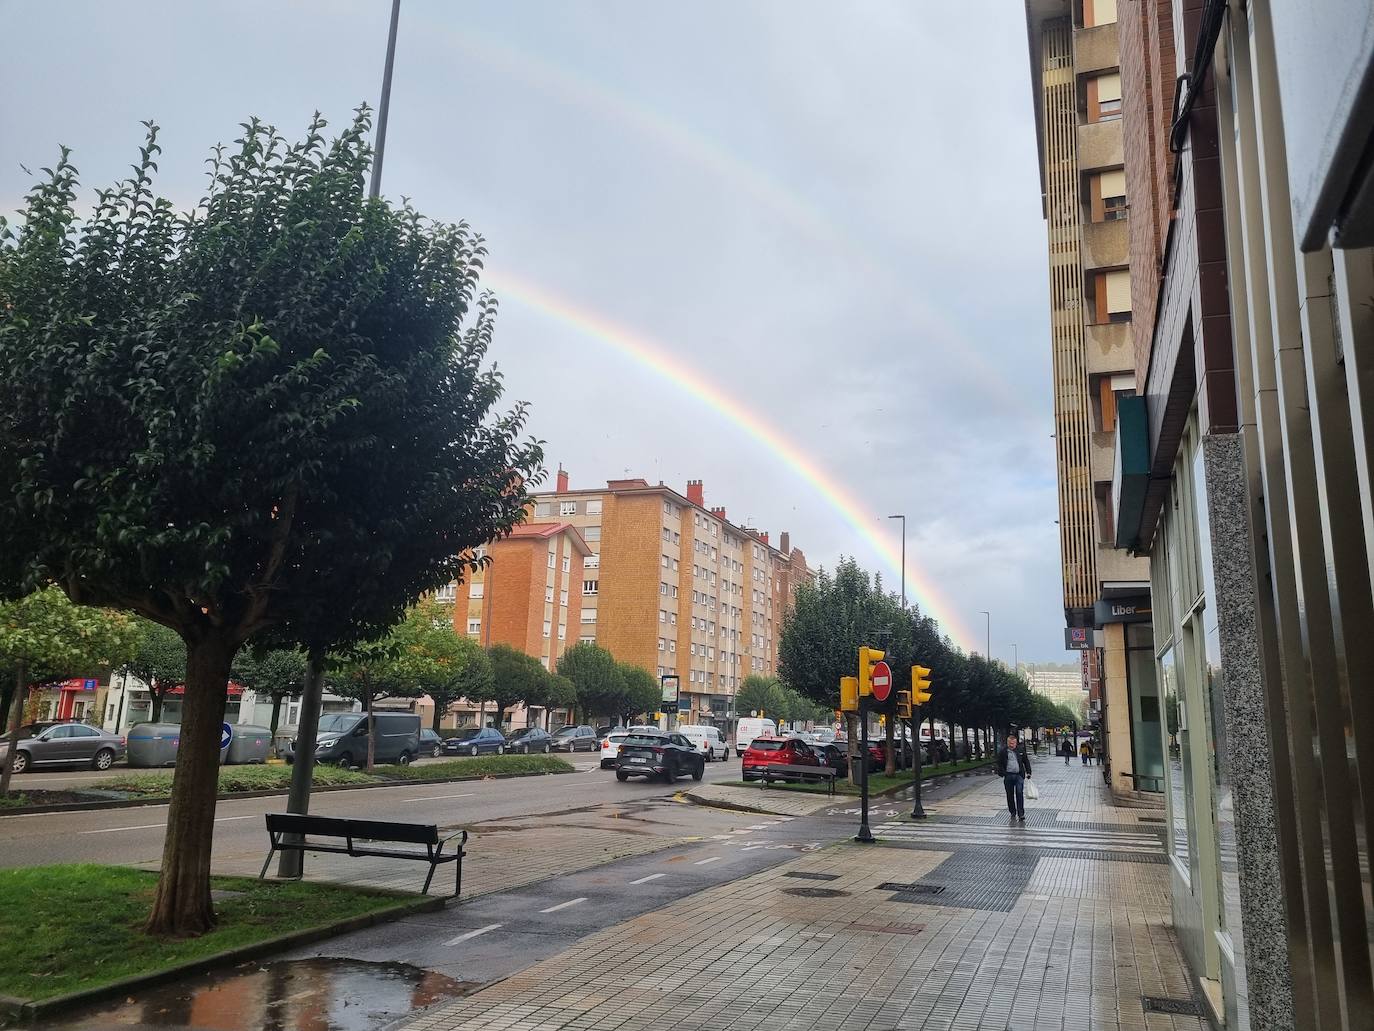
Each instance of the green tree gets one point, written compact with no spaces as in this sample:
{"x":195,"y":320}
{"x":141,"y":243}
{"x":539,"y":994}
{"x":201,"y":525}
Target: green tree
{"x":441,"y":663}
{"x":642,"y":691}
{"x":521,"y":677}
{"x":371,"y":672}
{"x":44,"y":637}
{"x":160,"y":662}
{"x":270,"y":412}
{"x":278,"y":673}
{"x":597,"y":677}
{"x":762,"y":695}
{"x":561,"y":693}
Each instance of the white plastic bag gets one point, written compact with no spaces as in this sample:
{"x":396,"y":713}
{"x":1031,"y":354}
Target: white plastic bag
{"x":1032,"y":792}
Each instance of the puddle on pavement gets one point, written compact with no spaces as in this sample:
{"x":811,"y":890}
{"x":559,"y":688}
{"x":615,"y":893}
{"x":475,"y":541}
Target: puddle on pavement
{"x":288,"y":995}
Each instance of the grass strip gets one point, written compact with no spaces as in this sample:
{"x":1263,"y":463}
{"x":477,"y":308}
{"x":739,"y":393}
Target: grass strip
{"x":158,"y":783}
{"x":72,"y":928}
{"x":478,"y":766}
{"x":877,"y":782}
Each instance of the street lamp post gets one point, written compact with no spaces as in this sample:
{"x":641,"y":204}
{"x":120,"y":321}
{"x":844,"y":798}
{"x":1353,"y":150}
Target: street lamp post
{"x":375,"y":188}
{"x":988,"y":653}
{"x":903,"y":519}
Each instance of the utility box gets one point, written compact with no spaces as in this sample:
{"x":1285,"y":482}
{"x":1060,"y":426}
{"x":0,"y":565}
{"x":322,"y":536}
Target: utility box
{"x":153,"y":744}
{"x":250,"y":744}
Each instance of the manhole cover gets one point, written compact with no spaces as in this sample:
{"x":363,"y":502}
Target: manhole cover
{"x":815,"y":893}
{"x":812,"y":876}
{"x":912,"y":889}
{"x":1182,"y":1007}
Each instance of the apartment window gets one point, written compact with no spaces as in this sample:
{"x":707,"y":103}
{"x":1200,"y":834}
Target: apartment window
{"x":590,"y":639}
{"x":589,"y":586}
{"x":589,"y":615}
{"x":543,"y":508}
{"x":548,"y":594}
{"x":562,"y":631}
{"x":663,"y":589}
{"x":693,"y":648}
{"x":567,"y":563}
{"x":663,"y":646}
{"x":677,"y":538}
{"x":476,"y":590}
{"x":1098,"y":12}
{"x":594,"y":507}
{"x":591,"y":533}
{"x":667,"y":508}
{"x":1107,"y":196}
{"x":548,"y":628}
{"x":1104,"y":97}
{"x":672,"y":645}
{"x":666,"y":561}
{"x":711,"y":654}
{"x":553,"y":559}
{"x":591,"y":562}
{"x":449,"y":592}
{"x":567,"y":508}
{"x":1109,"y":296}
{"x":675,"y":565}
{"x":563,"y":597}
{"x":662,"y":615}
{"x":674,"y":592}
{"x":474,"y":627}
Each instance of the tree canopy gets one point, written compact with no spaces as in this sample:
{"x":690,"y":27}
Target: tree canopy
{"x":160,"y":661}
{"x":597,"y":677}
{"x":440,"y":662}
{"x":642,"y":691}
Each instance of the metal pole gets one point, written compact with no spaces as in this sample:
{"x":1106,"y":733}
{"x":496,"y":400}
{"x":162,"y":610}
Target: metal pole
{"x":865,"y":835}
{"x":917,"y":811}
{"x":988,"y":653}
{"x":376,"y":187}
{"x":903,"y":519}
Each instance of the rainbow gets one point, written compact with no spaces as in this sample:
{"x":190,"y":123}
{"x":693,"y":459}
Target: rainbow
{"x":658,"y":358}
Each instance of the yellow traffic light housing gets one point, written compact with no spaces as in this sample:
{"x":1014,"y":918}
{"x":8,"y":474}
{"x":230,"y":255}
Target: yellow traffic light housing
{"x":849,"y":694}
{"x":868,"y":658}
{"x":904,"y":705}
{"x":920,"y":685}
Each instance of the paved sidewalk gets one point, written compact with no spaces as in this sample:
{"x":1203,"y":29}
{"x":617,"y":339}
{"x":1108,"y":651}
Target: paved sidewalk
{"x":963,"y":921}
{"x":778,"y":801}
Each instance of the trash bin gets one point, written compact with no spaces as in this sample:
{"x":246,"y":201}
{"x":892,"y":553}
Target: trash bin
{"x":250,"y":744}
{"x":153,"y":744}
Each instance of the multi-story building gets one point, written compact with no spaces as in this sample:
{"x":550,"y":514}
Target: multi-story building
{"x":1088,"y":207}
{"x":1060,"y":683}
{"x":675,"y":587}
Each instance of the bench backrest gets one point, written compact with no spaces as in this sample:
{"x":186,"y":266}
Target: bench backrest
{"x":819,"y":771}
{"x":339,"y":827}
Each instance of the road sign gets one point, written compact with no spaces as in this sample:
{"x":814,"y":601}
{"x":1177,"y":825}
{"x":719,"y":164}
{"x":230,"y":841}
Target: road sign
{"x":881,"y":679}
{"x":226,"y":734}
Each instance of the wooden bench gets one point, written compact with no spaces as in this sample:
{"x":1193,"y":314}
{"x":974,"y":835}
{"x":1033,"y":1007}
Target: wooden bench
{"x":342,"y":836}
{"x":787,"y":771}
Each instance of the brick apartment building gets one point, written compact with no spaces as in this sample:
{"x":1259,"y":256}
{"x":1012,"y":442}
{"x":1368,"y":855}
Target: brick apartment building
{"x":648,"y":573}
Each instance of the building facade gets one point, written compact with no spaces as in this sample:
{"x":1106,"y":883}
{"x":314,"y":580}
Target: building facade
{"x":1088,"y":206}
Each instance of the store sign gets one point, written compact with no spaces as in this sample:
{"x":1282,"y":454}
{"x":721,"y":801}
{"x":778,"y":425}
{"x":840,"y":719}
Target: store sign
{"x":1078,"y":638}
{"x":1122,"y":610}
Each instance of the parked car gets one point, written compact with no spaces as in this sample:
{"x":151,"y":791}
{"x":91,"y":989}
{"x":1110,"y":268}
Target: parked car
{"x":901,"y":747}
{"x":342,"y":738}
{"x":29,"y":730}
{"x":431,"y":744}
{"x":529,"y":739}
{"x":834,"y":756}
{"x":708,"y":741}
{"x":750,"y":727}
{"x":658,"y":754}
{"x":824,"y":735}
{"x":67,"y":743}
{"x":475,"y":741}
{"x":774,"y":751}
{"x":575,"y":738}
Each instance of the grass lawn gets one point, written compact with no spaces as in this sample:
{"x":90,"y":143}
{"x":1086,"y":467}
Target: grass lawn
{"x":877,"y":782}
{"x":478,"y":766}
{"x":12,"y":801}
{"x":66,"y":928}
{"x":158,"y":783}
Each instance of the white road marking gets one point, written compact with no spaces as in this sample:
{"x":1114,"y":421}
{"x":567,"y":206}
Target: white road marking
{"x":563,"y":905}
{"x":703,"y":862}
{"x":651,"y":877}
{"x":154,"y":826}
{"x":435,"y":798}
{"x":472,"y":934}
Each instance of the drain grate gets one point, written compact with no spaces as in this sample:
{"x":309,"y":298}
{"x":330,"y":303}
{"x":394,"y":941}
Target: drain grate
{"x":1181,"y":1007}
{"x":812,"y":876}
{"x":816,"y":893}
{"x":912,"y":889}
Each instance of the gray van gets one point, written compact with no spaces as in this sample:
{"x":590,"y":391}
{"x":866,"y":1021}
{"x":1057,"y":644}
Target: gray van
{"x":342,"y":738}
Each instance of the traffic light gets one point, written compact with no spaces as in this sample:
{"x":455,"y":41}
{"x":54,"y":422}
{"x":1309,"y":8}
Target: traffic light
{"x":904,"y":705}
{"x":849,"y":694}
{"x":920,"y":685}
{"x":868,"y":657}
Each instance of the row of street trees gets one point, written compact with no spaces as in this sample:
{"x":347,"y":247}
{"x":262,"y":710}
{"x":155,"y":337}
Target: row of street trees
{"x":848,"y":608}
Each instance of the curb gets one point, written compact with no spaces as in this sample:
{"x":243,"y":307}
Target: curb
{"x":162,"y":800}
{"x":27,"y":1011}
{"x":715,"y":803}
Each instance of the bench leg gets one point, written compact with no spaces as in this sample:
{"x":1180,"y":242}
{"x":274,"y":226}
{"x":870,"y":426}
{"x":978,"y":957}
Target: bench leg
{"x":458,"y":877}
{"x":270,"y":853}
{"x":433,"y":865}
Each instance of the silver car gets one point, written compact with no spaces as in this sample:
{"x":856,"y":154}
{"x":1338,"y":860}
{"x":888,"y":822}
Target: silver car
{"x":68,"y":743}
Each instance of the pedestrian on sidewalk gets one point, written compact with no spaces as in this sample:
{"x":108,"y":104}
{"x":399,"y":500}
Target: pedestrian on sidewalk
{"x":1066,"y":751}
{"x":1086,"y":751}
{"x":1013,"y":766}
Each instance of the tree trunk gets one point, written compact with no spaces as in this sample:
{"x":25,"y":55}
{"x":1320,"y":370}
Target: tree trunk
{"x":276,"y":717}
{"x":12,"y":735}
{"x":891,"y":767}
{"x":181,"y":906}
{"x":371,"y":726}
{"x":963,"y":734}
{"x":439,"y":712}
{"x":292,"y":864}
{"x":481,"y":714}
{"x":155,"y":694}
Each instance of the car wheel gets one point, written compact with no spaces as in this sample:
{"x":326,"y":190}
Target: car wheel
{"x":345,"y":761}
{"x":472,"y":750}
{"x":621,"y":775}
{"x":546,"y":749}
{"x":438,"y":751}
{"x":103,"y":760}
{"x":21,"y":762}
{"x":699,"y":772}
{"x":403,"y":759}
{"x":500,"y":749}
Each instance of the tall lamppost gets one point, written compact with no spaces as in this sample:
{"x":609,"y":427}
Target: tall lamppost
{"x":903,"y":519}
{"x":375,"y":188}
{"x":988,"y":653}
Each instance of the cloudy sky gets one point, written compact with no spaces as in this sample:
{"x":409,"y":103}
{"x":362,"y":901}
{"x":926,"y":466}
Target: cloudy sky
{"x":792,"y":249}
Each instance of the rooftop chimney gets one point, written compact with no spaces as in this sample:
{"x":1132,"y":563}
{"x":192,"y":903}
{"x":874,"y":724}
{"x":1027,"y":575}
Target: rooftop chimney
{"x":562,"y":479}
{"x":784,"y":542}
{"x":763,"y":537}
{"x":695,"y":493}
{"x":719,"y":513}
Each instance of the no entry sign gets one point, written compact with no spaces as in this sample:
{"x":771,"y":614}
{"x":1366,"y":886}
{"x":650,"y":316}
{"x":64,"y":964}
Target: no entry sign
{"x":881,"y":681}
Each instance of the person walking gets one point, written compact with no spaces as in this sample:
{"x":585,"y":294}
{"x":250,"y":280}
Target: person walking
{"x":1014,"y":766}
{"x":1085,"y":751}
{"x":1066,"y":751}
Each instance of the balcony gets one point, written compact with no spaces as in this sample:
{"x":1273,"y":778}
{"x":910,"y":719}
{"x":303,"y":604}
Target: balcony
{"x":1099,"y":145}
{"x":1108,"y":348}
{"x":1117,"y":566}
{"x":1105,"y":244}
{"x":1096,"y":49}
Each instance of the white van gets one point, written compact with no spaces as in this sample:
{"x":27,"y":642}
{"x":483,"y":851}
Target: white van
{"x":750,"y":727}
{"x":707,"y":740}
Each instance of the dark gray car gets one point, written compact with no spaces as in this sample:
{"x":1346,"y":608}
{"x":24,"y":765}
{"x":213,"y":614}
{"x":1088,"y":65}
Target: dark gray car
{"x":68,"y":743}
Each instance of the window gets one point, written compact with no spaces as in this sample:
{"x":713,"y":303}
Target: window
{"x":672,"y":647}
{"x":567,"y":563}
{"x":543,"y":508}
{"x":553,"y":559}
{"x":589,"y":615}
{"x":667,"y":508}
{"x":562,"y":631}
{"x":1107,"y":196}
{"x":663,"y":589}
{"x":667,"y":534}
{"x":589,"y":586}
{"x":1098,"y":12}
{"x":666,"y":561}
{"x":663,"y":644}
{"x":548,"y":628}
{"x":675,"y":567}
{"x":594,"y":507}
{"x":1104,"y":97}
{"x":711,"y":654}
{"x":449,"y":592}
{"x":672,"y":619}
{"x":474,"y":627}
{"x":591,"y":562}
{"x":548,"y":594}
{"x":587,"y":640}
{"x":563,"y":597}
{"x":476,"y":590}
{"x":591,"y":533}
{"x":674,"y":592}
{"x":693,"y":648}
{"x":567,"y":508}
{"x":1109,"y":296}
{"x":677,"y":538}
{"x":662,"y":616}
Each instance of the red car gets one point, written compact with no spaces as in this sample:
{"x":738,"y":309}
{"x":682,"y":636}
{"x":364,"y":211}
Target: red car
{"x":773,"y":751}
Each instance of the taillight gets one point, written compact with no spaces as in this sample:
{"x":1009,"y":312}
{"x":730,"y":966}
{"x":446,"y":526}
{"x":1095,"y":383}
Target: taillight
{"x":605,"y":744}
{"x":658,"y":751}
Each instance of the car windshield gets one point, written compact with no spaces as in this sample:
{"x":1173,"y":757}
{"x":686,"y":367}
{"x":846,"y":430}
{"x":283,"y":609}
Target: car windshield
{"x":620,"y":737}
{"x":522,"y":732}
{"x":645,"y":739}
{"x":467,"y":734}
{"x":339,"y":722}
{"x":566,"y":732}
{"x":764,"y":745}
